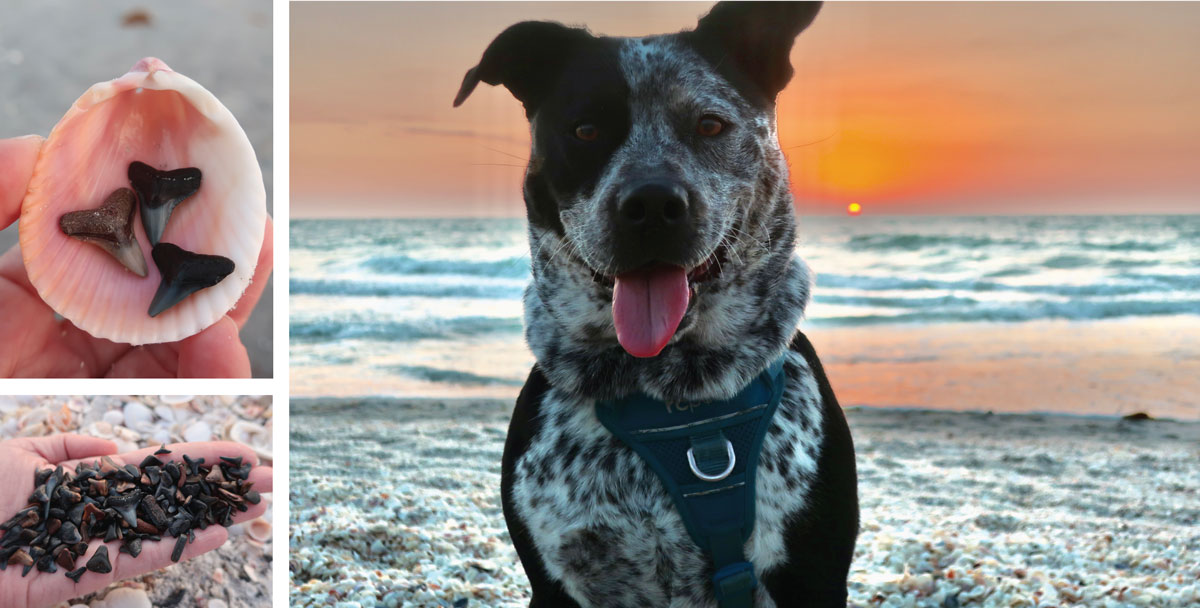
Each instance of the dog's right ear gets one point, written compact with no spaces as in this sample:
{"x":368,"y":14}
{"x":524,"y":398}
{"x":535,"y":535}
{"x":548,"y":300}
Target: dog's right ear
{"x":526,"y":58}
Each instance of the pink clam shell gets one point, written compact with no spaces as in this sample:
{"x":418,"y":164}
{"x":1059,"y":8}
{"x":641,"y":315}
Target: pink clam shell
{"x":168,"y":121}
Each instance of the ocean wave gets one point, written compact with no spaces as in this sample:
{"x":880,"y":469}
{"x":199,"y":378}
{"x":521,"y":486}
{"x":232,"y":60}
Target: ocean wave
{"x":450,"y":376}
{"x":344,"y":287}
{"x":894,"y":302}
{"x":1029,"y":311}
{"x":916,"y":242}
{"x":365,"y":328}
{"x":1127,"y":284}
{"x":513,"y":268}
{"x":1067,"y":261}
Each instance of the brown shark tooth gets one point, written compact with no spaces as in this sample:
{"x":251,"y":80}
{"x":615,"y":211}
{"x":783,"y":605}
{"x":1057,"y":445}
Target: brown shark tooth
{"x":184,"y":273}
{"x":109,"y":227}
{"x":159,"y":192}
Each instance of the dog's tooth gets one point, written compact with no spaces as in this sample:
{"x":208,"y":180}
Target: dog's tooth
{"x":159,"y":192}
{"x":184,"y":273}
{"x":109,"y":227}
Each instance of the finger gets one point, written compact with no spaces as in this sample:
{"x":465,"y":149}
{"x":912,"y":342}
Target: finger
{"x":57,"y":449}
{"x":53,"y":588}
{"x":216,"y":352}
{"x":245,"y":305}
{"x":210,"y":451}
{"x":17,"y":156}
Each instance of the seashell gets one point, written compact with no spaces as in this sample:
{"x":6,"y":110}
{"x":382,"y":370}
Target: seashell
{"x":259,"y":530}
{"x":161,"y":436}
{"x":114,"y":417}
{"x":137,"y":416}
{"x":198,"y":431}
{"x":253,"y":435}
{"x":176,"y":399}
{"x":165,"y":412}
{"x":126,"y":597}
{"x":161,"y":118}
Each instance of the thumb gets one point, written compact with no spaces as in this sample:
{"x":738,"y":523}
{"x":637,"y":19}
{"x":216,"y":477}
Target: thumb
{"x":216,"y":352}
{"x":17,"y":157}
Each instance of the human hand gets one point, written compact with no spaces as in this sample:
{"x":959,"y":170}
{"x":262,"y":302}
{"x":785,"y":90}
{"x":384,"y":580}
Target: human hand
{"x":21,"y":458}
{"x":39,"y":345}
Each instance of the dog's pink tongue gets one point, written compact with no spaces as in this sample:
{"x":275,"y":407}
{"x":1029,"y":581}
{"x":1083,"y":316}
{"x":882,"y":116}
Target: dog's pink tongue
{"x":647,"y":307}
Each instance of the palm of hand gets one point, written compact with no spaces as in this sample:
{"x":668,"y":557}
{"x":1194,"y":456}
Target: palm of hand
{"x":21,"y":458}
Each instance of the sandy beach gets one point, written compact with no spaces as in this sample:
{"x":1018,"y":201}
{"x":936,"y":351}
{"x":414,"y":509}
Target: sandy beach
{"x":225,"y":45}
{"x":396,"y":503}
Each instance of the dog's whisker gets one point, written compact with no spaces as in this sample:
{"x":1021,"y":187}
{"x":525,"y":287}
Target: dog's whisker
{"x":516,"y":156}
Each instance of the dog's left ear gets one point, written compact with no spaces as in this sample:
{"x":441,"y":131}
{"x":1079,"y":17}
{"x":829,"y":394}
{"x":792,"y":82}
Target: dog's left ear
{"x":757,"y":37}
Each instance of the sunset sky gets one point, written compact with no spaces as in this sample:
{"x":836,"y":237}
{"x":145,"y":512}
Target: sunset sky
{"x":972,"y":108}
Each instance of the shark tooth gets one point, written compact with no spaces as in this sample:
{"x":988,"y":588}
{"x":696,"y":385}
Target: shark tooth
{"x":99,"y":562}
{"x":75,"y":575}
{"x":184,"y":273}
{"x":159,"y":192}
{"x":109,"y":227}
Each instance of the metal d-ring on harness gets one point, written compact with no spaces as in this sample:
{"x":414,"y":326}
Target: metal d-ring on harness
{"x":706,"y":455}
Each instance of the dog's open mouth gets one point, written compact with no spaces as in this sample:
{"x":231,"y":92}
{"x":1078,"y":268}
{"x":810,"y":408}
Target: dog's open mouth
{"x":649,"y":302}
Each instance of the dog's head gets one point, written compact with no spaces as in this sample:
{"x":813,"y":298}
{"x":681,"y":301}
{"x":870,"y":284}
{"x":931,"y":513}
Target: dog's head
{"x":657,"y":195}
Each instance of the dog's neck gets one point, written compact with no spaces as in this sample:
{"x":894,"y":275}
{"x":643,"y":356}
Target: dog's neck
{"x":737,"y":326}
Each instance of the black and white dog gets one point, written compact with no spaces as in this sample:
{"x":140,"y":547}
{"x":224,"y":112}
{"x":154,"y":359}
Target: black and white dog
{"x":662,"y":237}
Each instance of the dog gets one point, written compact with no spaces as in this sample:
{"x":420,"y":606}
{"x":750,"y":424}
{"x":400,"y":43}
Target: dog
{"x":662,"y":235}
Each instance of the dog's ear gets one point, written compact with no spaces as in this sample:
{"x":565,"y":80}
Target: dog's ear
{"x":757,"y":37}
{"x":526,"y":58}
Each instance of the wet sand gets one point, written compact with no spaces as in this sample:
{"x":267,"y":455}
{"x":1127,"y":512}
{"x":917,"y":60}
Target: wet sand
{"x":396,"y":502}
{"x":1107,"y":368}
{"x":225,"y":45}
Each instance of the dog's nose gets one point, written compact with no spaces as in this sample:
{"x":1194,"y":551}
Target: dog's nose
{"x":653,"y":222}
{"x":652,"y":206}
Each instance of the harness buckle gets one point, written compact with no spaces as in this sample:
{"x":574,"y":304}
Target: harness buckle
{"x":736,"y":580}
{"x":730,"y":456}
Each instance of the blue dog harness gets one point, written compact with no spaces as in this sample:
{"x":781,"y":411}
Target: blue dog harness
{"x":706,"y":455}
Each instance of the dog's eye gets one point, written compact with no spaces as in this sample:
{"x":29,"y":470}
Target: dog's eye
{"x":587,"y":132}
{"x":710,"y":125}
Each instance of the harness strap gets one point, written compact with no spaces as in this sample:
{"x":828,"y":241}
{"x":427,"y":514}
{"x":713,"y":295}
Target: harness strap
{"x":706,"y":455}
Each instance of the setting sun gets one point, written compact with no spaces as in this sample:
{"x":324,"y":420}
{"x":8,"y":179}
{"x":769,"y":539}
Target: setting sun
{"x":854,"y":208}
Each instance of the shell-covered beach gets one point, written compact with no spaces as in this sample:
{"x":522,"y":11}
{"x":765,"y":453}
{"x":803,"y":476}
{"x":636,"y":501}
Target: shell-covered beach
{"x":238,"y":574}
{"x":396,"y":503}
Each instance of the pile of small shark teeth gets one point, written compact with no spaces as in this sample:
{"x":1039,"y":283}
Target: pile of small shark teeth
{"x":126,"y":503}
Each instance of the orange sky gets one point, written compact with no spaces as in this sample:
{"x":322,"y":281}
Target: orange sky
{"x":970,"y":108}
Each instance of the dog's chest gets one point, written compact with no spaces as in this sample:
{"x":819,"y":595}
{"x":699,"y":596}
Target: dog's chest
{"x":607,"y":529}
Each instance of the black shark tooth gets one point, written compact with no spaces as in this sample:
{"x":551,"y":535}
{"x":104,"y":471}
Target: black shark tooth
{"x":180,"y":543}
{"x":184,"y":273}
{"x":99,"y":562}
{"x":109,"y":227}
{"x":127,"y":506}
{"x":75,"y":575}
{"x":159,"y":192}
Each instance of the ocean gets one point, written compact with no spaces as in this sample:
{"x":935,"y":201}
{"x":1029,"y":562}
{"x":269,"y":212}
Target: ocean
{"x":428,"y":307}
